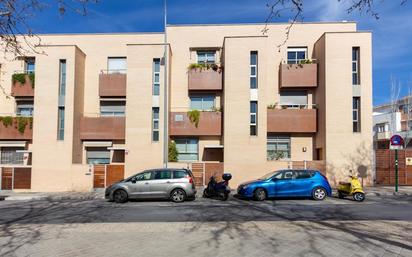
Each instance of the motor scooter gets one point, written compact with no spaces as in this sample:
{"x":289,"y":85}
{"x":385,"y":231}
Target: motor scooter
{"x":352,"y":188}
{"x":220,"y":190}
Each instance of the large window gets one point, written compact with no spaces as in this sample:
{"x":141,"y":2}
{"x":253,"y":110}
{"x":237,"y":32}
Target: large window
{"x":112,"y":108}
{"x":356,"y":114}
{"x":382,"y":127}
{"x":294,"y":99}
{"x":155,"y":124}
{"x":203,"y":103}
{"x":117,"y":65}
{"x":12,"y":155}
{"x":188,"y":149}
{"x":24,"y":108}
{"x":253,"y":69}
{"x":297,"y":54}
{"x":278,"y":147}
{"x":156,"y":76}
{"x":97,"y":155}
{"x":253,"y":118}
{"x":207,"y":57}
{"x":355,"y":66}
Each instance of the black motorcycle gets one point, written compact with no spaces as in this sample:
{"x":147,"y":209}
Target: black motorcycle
{"x":219,"y":190}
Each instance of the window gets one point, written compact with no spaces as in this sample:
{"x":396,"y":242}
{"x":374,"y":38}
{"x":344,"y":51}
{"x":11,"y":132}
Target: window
{"x":179,"y":174}
{"x":356,"y":114}
{"x":203,"y":103}
{"x":382,"y":127}
{"x":155,"y":124}
{"x":355,"y":66}
{"x":288,"y":174}
{"x":112,"y":108}
{"x":29,"y":65}
{"x":294,"y":99}
{"x":278,"y":147}
{"x":62,"y":93}
{"x":144,"y":176}
{"x":156,"y":76}
{"x":302,"y":174}
{"x":207,"y":57}
{"x":11,"y":155}
{"x":253,"y":118}
{"x":116,"y":65}
{"x":118,"y":156}
{"x":97,"y":155}
{"x":187,"y":148}
{"x":253,"y":69}
{"x":162,"y":174}
{"x":297,"y":54}
{"x":24,"y":108}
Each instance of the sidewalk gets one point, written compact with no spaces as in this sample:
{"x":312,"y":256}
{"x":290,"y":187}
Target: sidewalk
{"x":54,"y":196}
{"x":388,"y":190}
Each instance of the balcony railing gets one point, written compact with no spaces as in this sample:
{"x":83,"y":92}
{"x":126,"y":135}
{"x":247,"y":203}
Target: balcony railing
{"x":289,"y":120}
{"x":96,"y":127}
{"x":210,"y":124}
{"x":12,"y":157}
{"x":303,"y":75}
{"x":14,"y":127}
{"x":205,"y":79}
{"x":112,"y":83}
{"x":22,"y":84}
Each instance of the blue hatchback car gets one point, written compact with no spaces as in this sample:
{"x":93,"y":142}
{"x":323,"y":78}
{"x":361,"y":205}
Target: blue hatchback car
{"x":287,"y":183}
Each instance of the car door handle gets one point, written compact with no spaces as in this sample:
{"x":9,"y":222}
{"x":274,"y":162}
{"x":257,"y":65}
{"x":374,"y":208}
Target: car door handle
{"x":168,"y":182}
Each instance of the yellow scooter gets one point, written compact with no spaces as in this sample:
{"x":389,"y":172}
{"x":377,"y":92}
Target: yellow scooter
{"x":352,"y":188}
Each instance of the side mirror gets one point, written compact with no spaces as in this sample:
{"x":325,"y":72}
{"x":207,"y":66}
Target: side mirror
{"x":133,"y":180}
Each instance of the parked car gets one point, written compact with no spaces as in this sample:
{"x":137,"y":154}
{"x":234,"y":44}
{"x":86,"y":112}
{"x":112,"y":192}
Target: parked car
{"x":287,"y":183}
{"x":174,"y":184}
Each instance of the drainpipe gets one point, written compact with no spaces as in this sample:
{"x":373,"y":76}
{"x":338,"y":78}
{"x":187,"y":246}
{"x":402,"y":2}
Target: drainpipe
{"x":165,"y":96}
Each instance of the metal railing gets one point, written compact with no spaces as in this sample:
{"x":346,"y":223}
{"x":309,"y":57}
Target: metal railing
{"x":114,"y":71}
{"x":292,"y":106}
{"x":11,"y":157}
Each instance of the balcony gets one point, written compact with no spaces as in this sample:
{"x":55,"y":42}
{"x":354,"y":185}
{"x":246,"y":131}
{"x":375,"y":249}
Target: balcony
{"x":383,"y":135}
{"x":103,"y":128}
{"x":22,"y":85}
{"x":292,"y":120}
{"x":298,"y":75}
{"x":210,"y":124}
{"x":16,"y":128}
{"x":112,"y":83}
{"x":205,"y":79}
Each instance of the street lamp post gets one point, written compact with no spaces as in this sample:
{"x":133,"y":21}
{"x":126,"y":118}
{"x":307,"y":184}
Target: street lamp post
{"x":165,"y":95}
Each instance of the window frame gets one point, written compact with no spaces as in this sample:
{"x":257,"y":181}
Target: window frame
{"x":28,"y":103}
{"x":116,"y":71}
{"x":112,"y":113}
{"x":356,"y":122}
{"x":154,"y":130}
{"x":202,"y":101}
{"x":98,"y":149}
{"x":207,"y":53}
{"x":253,"y":115}
{"x":188,"y":153}
{"x":255,"y":68}
{"x":296,"y":50}
{"x":156,"y":84}
{"x":355,"y":66}
{"x":276,"y":140}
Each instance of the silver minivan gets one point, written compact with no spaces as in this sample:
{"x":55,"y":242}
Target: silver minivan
{"x":174,"y":184}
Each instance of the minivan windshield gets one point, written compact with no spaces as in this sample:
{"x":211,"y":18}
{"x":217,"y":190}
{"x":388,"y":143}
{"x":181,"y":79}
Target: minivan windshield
{"x":269,"y":175}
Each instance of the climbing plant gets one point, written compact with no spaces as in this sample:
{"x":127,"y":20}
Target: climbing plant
{"x":6,"y":120}
{"x":19,"y":123}
{"x":173,"y":153}
{"x":21,"y":78}
{"x":194,"y":117}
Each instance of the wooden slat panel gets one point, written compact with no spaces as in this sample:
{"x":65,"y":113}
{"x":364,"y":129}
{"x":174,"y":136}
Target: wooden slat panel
{"x":22,"y":178}
{"x":98,"y":177}
{"x":7,"y":179}
{"x":114,"y":173}
{"x":198,"y":172}
{"x":214,"y":169}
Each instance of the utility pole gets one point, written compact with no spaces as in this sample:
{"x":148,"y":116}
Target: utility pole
{"x":165,"y":95}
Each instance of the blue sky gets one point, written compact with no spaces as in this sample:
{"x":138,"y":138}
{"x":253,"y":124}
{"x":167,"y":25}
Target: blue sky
{"x":392,"y":33}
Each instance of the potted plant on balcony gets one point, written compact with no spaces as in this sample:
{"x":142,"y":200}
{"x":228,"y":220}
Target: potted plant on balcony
{"x":194,"y":117}
{"x":205,"y":66}
{"x":21,"y":78}
{"x":173,"y":152}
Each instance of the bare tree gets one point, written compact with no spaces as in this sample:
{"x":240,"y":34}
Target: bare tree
{"x":294,"y":11}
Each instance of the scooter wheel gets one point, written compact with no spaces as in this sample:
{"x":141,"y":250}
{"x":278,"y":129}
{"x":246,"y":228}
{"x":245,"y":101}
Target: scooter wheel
{"x":359,"y":197}
{"x":205,"y":193}
{"x":340,"y":195}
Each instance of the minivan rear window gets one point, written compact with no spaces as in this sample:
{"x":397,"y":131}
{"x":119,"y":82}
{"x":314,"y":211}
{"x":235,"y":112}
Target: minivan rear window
{"x":162,"y":174}
{"x":179,"y":173}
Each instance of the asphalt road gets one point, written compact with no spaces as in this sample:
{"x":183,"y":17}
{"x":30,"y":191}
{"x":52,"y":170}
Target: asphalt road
{"x":379,"y":226}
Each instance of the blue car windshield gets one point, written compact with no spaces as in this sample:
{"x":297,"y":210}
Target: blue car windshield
{"x":269,"y":175}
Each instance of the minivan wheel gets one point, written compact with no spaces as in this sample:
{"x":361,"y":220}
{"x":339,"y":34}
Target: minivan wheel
{"x":319,"y":194}
{"x":178,"y":195}
{"x":120,"y":196}
{"x":259,"y":194}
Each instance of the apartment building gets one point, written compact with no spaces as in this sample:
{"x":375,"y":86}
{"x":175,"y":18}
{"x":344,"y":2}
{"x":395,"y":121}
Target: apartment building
{"x":390,"y":119}
{"x":88,"y":109}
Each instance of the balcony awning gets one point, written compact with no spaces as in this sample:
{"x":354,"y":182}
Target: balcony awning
{"x":12,"y":143}
{"x":214,"y":146}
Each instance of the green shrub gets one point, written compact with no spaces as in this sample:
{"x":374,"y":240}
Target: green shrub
{"x":6,"y":120}
{"x":194,"y":117}
{"x":306,"y":61}
{"x":205,"y":66}
{"x":19,"y":77}
{"x":31,"y":77}
{"x":173,"y":153}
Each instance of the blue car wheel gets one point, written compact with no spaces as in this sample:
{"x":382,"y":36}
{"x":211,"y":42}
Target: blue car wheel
{"x":259,"y":194}
{"x":319,"y":194}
